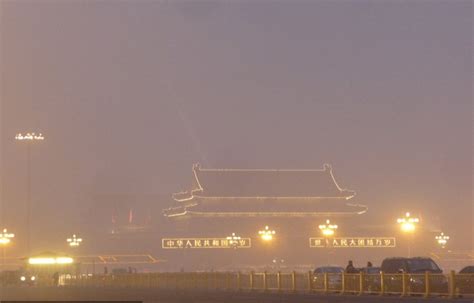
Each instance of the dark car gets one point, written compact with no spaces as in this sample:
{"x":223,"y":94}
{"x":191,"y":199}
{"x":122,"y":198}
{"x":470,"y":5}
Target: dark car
{"x":467,"y":270}
{"x":465,"y":280}
{"x":17,"y":278}
{"x":334,"y":274}
{"x":416,"y":269}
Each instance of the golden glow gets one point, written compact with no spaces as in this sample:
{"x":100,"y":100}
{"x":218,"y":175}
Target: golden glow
{"x":354,"y":242}
{"x":408,"y":223}
{"x":29,"y":137}
{"x":266,"y":234}
{"x":229,"y":242}
{"x":328,"y":229}
{"x":5,"y":237}
{"x":74,"y":241}
{"x":442,"y":240}
{"x":50,"y":260}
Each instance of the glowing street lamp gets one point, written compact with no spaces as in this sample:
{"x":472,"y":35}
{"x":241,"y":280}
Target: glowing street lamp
{"x":29,"y":139}
{"x":5,"y":237}
{"x":233,"y":240}
{"x":408,"y":223}
{"x":328,"y":229}
{"x":266,"y":234}
{"x":442,"y":240}
{"x":74,"y":241}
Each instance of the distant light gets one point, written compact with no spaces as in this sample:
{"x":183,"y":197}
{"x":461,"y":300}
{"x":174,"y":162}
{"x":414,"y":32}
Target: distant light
{"x":408,"y":223}
{"x":22,"y":278}
{"x":328,"y":229}
{"x":74,"y":241}
{"x":234,"y":240}
{"x":266,"y":234}
{"x":29,"y":137}
{"x":5,"y":237}
{"x":50,"y":261}
{"x":442,"y":240}
{"x":33,"y":278}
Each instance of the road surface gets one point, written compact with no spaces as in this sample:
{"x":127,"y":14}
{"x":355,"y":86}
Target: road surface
{"x":192,"y":296}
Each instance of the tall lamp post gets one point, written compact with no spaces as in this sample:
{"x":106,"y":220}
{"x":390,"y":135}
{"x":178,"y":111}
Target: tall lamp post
{"x":29,"y":139}
{"x":266,"y":235}
{"x":408,"y":225}
{"x":5,"y":239}
{"x":233,"y":241}
{"x":328,"y":230}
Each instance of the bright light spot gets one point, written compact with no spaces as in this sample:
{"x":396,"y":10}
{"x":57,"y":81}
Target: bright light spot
{"x":5,"y":237}
{"x":33,"y":278}
{"x":23,"y":278}
{"x":442,"y":240}
{"x":328,"y":229}
{"x":328,"y":232}
{"x":266,"y":234}
{"x":45,"y":261}
{"x":408,"y":224}
{"x":408,"y":227}
{"x":74,"y":241}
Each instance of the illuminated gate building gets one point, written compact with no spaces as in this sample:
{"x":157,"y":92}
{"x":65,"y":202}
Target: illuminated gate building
{"x":220,"y":202}
{"x":264,"y":193}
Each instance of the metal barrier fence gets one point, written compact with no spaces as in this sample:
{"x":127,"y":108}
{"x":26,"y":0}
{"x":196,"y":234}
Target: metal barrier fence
{"x":425,"y":284}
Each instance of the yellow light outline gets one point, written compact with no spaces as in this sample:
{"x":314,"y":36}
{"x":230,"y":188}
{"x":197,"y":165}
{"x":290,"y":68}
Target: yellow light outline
{"x":203,"y":239}
{"x":354,"y":238}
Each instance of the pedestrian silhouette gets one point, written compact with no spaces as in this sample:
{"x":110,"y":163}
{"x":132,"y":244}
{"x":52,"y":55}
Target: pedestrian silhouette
{"x":350,"y":269}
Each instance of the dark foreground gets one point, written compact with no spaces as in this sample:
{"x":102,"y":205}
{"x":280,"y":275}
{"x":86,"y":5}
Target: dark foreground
{"x":188,"y":296}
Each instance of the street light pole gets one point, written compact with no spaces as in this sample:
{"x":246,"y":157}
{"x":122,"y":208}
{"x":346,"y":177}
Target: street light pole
{"x":266,"y":235}
{"x":28,"y":138}
{"x":408,"y":225}
{"x":328,"y":230}
{"x":5,"y":239}
{"x":28,"y":196}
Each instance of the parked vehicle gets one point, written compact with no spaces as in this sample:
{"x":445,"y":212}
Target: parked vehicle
{"x":17,"y":278}
{"x":465,"y":280}
{"x":467,"y":270}
{"x":415,"y":268}
{"x":334,"y":274}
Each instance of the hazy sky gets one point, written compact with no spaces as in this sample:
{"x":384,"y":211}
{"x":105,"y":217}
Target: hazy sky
{"x":129,"y":94}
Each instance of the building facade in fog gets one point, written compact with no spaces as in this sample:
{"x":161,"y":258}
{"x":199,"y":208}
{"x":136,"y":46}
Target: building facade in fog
{"x":264,"y":193}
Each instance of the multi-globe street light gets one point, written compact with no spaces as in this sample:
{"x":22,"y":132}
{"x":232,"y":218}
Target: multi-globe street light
{"x":5,"y":237}
{"x":442,"y":240}
{"x":408,"y":223}
{"x":74,"y":241}
{"x":328,"y":229}
{"x":233,"y":240}
{"x":266,"y":234}
{"x":29,"y":139}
